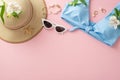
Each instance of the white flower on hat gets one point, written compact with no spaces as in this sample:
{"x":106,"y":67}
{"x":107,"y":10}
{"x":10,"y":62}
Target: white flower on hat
{"x":14,"y":9}
{"x":114,"y":22}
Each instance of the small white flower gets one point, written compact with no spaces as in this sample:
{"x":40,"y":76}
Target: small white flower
{"x":13,"y":7}
{"x":1,"y":3}
{"x":113,"y":18}
{"x":114,"y":22}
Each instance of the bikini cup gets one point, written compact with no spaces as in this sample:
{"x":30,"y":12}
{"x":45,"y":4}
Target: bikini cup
{"x":106,"y":32}
{"x":78,"y":17}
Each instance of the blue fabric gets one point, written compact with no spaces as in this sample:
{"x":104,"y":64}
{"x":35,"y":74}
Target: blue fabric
{"x":78,"y":17}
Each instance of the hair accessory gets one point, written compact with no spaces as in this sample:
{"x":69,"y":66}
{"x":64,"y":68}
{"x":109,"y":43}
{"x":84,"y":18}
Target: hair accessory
{"x":49,"y":25}
{"x":55,"y":9}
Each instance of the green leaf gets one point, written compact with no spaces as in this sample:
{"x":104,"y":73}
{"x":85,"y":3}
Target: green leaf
{"x":15,"y":14}
{"x":73,"y":3}
{"x":76,"y":2}
{"x":116,"y":12}
{"x":119,"y":13}
{"x":84,"y":2}
{"x":2,"y":11}
{"x":118,"y":26}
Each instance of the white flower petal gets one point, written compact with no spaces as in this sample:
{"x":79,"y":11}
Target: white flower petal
{"x":9,"y":10}
{"x":112,"y":18}
{"x":118,"y":22}
{"x":114,"y":22}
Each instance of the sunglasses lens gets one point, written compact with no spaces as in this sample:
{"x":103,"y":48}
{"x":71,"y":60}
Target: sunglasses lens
{"x":47,"y":24}
{"x":59,"y":29}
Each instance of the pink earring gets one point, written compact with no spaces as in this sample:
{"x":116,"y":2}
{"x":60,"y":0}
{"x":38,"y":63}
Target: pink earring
{"x":95,"y":13}
{"x":103,"y":10}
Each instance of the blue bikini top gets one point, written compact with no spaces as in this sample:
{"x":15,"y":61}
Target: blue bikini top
{"x":78,"y":17}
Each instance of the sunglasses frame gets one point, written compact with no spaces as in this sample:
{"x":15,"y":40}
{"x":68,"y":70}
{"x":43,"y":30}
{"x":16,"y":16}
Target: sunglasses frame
{"x":53,"y":26}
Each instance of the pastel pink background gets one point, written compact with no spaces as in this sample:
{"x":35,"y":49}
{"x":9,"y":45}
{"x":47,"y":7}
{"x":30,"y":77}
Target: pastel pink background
{"x":72,"y":56}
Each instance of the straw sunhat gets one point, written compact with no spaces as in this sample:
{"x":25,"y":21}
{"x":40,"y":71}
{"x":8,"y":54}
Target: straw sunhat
{"x":20,"y":20}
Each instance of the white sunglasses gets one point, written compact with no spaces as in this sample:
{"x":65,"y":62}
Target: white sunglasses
{"x":49,"y":25}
